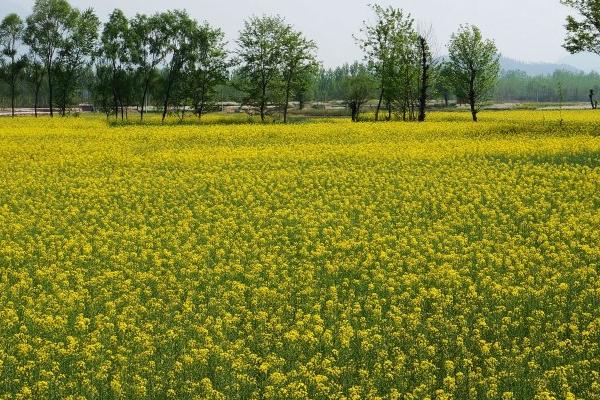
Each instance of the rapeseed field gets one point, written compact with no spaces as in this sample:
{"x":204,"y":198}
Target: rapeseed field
{"x":325,"y":260}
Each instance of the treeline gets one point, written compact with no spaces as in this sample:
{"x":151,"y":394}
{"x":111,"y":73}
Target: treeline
{"x":60,"y":56}
{"x":511,"y":86}
{"x":561,"y":86}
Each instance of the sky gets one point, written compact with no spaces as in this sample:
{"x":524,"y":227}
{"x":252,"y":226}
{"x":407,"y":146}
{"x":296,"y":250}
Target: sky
{"x":525,"y":30}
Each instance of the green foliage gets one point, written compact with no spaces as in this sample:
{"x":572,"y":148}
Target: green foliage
{"x":148,"y":51}
{"x":260,"y":54}
{"x":400,"y":59}
{"x":76,"y":51}
{"x":390,"y":51}
{"x":182,"y":34}
{"x":169,"y":61}
{"x":206,"y":68}
{"x":474,"y":65}
{"x":11,"y":36}
{"x":443,"y":86}
{"x":329,"y":83}
{"x":518,"y":86}
{"x":46,"y":33}
{"x":299,"y":65}
{"x":115,"y":53}
{"x":583,"y":33}
{"x":358,"y":88}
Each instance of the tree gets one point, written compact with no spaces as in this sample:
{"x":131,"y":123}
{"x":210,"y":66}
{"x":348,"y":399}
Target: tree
{"x":77,"y":48}
{"x":34,"y":74}
{"x":260,"y":53}
{"x":474,"y":66}
{"x":406,"y":75}
{"x":426,"y":67}
{"x":304,"y":88}
{"x":45,"y":34}
{"x":299,"y":63}
{"x":115,"y":49}
{"x":358,"y":87}
{"x":11,"y":36}
{"x":181,"y":32}
{"x":583,"y":33}
{"x":103,"y":93}
{"x":207,"y":67}
{"x":381,"y":43}
{"x":148,"y":50}
{"x":443,"y":81}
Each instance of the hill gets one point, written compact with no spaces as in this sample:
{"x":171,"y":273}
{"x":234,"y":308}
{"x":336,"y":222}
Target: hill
{"x":533,"y":69}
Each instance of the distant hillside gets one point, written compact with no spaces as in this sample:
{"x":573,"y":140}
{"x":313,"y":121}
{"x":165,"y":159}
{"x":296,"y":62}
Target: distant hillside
{"x":533,"y":69}
{"x":584,"y":61}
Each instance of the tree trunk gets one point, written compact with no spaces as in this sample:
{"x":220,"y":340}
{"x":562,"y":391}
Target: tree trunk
{"x":379,"y":104}
{"x":473,"y":109}
{"x":182,"y":113}
{"x":424,"y":78}
{"x":50,"y":90}
{"x":472,"y":96}
{"x":146,"y":84}
{"x":355,"y":110}
{"x":63,"y":100}
{"x":446,"y":99}
{"x":263,"y":102}
{"x":287,"y":100}
{"x":13,"y":82}
{"x":37,"y":96}
{"x":115,"y":99}
{"x":12,"y":97}
{"x":167,"y":96}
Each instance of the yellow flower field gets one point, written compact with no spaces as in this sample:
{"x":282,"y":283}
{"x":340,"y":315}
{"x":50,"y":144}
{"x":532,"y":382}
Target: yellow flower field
{"x":326,"y":260}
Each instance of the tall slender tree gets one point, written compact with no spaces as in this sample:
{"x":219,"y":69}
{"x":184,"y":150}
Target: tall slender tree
{"x":406,"y":73}
{"x":426,"y":67}
{"x":11,"y":37}
{"x":45,"y":34}
{"x":77,"y":49}
{"x":115,"y":48}
{"x":381,"y":43}
{"x":34,"y":74}
{"x":148,"y":51}
{"x":260,"y":54}
{"x":181,"y":31}
{"x":299,"y":63}
{"x":207,"y":67}
{"x":474,"y":64}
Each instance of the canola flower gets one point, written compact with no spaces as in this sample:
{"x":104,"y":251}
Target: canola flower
{"x":327,"y":260}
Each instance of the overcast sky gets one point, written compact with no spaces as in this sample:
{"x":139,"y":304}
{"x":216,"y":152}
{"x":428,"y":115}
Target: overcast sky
{"x":526,"y":30}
